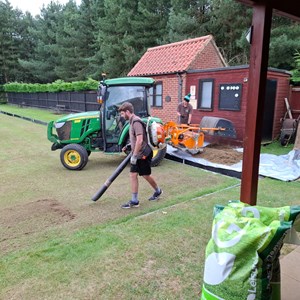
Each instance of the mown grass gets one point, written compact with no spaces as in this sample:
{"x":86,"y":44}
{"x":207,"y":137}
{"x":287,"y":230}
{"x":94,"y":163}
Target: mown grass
{"x":153,"y":252}
{"x":34,"y":113}
{"x":276,"y":148}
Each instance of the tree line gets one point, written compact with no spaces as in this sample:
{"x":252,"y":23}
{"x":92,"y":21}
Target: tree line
{"x":76,"y":42}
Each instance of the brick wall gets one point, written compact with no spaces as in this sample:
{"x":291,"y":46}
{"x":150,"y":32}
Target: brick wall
{"x":171,"y":88}
{"x":207,"y":59}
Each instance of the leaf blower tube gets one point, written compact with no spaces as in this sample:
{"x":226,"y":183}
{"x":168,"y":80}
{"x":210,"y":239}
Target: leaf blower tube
{"x":110,"y":180}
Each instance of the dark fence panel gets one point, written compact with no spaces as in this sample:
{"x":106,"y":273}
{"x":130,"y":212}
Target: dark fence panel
{"x":64,"y":101}
{"x":3,"y":97}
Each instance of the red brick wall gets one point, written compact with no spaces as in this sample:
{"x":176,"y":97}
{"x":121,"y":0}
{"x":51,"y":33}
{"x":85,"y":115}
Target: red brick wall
{"x":207,"y":59}
{"x":170,"y":88}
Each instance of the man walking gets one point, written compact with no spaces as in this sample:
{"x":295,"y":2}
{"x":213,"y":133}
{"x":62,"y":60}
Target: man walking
{"x":184,"y":110}
{"x":140,"y":162}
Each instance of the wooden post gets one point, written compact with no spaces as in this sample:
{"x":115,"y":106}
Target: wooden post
{"x":288,"y":108}
{"x":259,"y":53}
{"x":297,"y":140}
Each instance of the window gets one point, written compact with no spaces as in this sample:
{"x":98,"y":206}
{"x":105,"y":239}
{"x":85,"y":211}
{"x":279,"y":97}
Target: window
{"x":206,"y":87}
{"x":230,"y":96}
{"x":156,"y":95}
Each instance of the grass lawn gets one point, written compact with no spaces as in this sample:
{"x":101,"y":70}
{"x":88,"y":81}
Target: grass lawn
{"x":56,"y":243}
{"x":34,"y":113}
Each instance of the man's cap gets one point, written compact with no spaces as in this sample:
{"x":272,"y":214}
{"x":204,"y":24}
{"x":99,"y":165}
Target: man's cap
{"x":187,"y":97}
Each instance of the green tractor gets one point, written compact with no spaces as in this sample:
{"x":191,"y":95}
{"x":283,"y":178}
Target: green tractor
{"x":77,"y":135}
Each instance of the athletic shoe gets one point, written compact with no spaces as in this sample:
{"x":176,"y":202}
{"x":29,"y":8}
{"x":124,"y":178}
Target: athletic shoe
{"x":156,"y":195}
{"x":130,"y":204}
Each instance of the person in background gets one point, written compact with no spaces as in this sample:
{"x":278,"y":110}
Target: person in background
{"x":185,"y":110}
{"x":140,"y":162}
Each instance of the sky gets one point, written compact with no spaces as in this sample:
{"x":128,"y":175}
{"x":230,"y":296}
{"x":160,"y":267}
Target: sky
{"x":34,"y":6}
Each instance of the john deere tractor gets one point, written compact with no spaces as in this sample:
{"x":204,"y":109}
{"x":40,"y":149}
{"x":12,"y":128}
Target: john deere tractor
{"x":80,"y":134}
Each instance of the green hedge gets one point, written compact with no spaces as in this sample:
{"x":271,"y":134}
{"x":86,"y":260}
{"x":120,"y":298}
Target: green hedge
{"x":56,"y":86}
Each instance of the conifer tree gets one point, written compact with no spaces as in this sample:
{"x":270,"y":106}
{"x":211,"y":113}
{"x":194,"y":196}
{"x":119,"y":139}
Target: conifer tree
{"x":187,"y":19}
{"x":91,"y":14}
{"x":67,"y":44}
{"x":46,"y":57}
{"x":8,"y":43}
{"x":284,"y":43}
{"x":228,"y":23}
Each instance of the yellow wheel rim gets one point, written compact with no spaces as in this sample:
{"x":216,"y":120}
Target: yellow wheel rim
{"x":155,"y":152}
{"x":72,"y":158}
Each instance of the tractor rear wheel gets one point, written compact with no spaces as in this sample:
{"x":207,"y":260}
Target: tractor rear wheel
{"x":158,"y":156}
{"x":74,"y":157}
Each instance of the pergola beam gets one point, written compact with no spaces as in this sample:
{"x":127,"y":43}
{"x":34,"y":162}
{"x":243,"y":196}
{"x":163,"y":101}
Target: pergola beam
{"x":259,"y":53}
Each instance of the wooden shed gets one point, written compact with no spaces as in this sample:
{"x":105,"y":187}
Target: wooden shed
{"x":196,"y":66}
{"x":223,"y":93}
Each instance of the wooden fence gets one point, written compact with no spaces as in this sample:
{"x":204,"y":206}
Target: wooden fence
{"x":62,"y":101}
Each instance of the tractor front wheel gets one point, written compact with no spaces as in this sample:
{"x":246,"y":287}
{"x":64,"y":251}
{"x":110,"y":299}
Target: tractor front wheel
{"x":158,"y":156}
{"x":74,"y":157}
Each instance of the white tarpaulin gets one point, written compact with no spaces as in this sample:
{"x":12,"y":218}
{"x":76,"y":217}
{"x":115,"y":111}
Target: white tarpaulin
{"x":282,"y":167}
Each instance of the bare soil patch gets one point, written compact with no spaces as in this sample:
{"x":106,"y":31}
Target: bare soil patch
{"x":32,"y":217}
{"x":221,"y":154}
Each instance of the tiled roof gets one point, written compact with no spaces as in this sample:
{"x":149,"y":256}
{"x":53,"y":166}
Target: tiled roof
{"x":170,"y":58}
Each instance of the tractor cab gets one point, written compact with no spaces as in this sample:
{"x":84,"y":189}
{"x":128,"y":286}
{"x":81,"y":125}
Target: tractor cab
{"x":80,"y":134}
{"x":112,"y":94}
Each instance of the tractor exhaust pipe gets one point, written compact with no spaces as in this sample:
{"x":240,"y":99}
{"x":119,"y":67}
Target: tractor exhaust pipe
{"x":110,"y":180}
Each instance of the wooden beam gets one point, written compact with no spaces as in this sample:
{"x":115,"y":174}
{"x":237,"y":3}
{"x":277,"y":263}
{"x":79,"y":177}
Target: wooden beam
{"x":287,"y":8}
{"x":259,"y":53}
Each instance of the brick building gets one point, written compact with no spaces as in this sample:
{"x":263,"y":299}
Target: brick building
{"x":196,"y":66}
{"x":168,"y":65}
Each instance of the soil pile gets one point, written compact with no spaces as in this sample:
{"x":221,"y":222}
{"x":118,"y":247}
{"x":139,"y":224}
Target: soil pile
{"x":221,"y":154}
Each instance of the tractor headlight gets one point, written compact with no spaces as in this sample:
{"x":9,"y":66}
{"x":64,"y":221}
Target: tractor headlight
{"x":63,"y":130}
{"x":59,"y":125}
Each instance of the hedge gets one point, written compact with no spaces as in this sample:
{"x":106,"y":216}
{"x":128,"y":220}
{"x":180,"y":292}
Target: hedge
{"x":56,"y":86}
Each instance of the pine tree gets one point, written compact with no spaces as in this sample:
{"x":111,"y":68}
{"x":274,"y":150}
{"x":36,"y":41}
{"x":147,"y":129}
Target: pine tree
{"x":67,"y":44}
{"x":148,"y":29}
{"x":127,"y":29}
{"x":26,"y":45}
{"x":8,"y":43}
{"x":45,"y":59}
{"x":228,"y":23}
{"x":91,"y":12}
{"x":296,"y":71}
{"x":187,"y":19}
{"x":112,"y":28}
{"x":284,"y":43}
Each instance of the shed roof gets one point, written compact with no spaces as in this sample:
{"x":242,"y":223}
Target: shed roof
{"x":171,"y":58}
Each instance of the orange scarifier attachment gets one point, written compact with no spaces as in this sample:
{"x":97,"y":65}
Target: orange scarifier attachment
{"x":190,"y":138}
{"x":184,"y":137}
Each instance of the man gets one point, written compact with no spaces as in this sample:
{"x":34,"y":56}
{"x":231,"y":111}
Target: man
{"x":185,"y":110}
{"x":140,"y":162}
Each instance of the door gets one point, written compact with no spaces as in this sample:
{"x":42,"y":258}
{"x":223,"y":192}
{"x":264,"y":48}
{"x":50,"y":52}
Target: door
{"x":268,"y":118}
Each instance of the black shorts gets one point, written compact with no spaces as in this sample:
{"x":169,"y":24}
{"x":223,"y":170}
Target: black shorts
{"x":143,"y":166}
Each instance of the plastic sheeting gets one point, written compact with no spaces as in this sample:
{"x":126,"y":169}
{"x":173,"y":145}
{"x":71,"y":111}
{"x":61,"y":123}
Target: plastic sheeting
{"x":282,"y":167}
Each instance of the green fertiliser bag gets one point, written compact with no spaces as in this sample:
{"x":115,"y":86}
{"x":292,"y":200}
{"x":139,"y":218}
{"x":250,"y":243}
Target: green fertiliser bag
{"x":242,"y":256}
